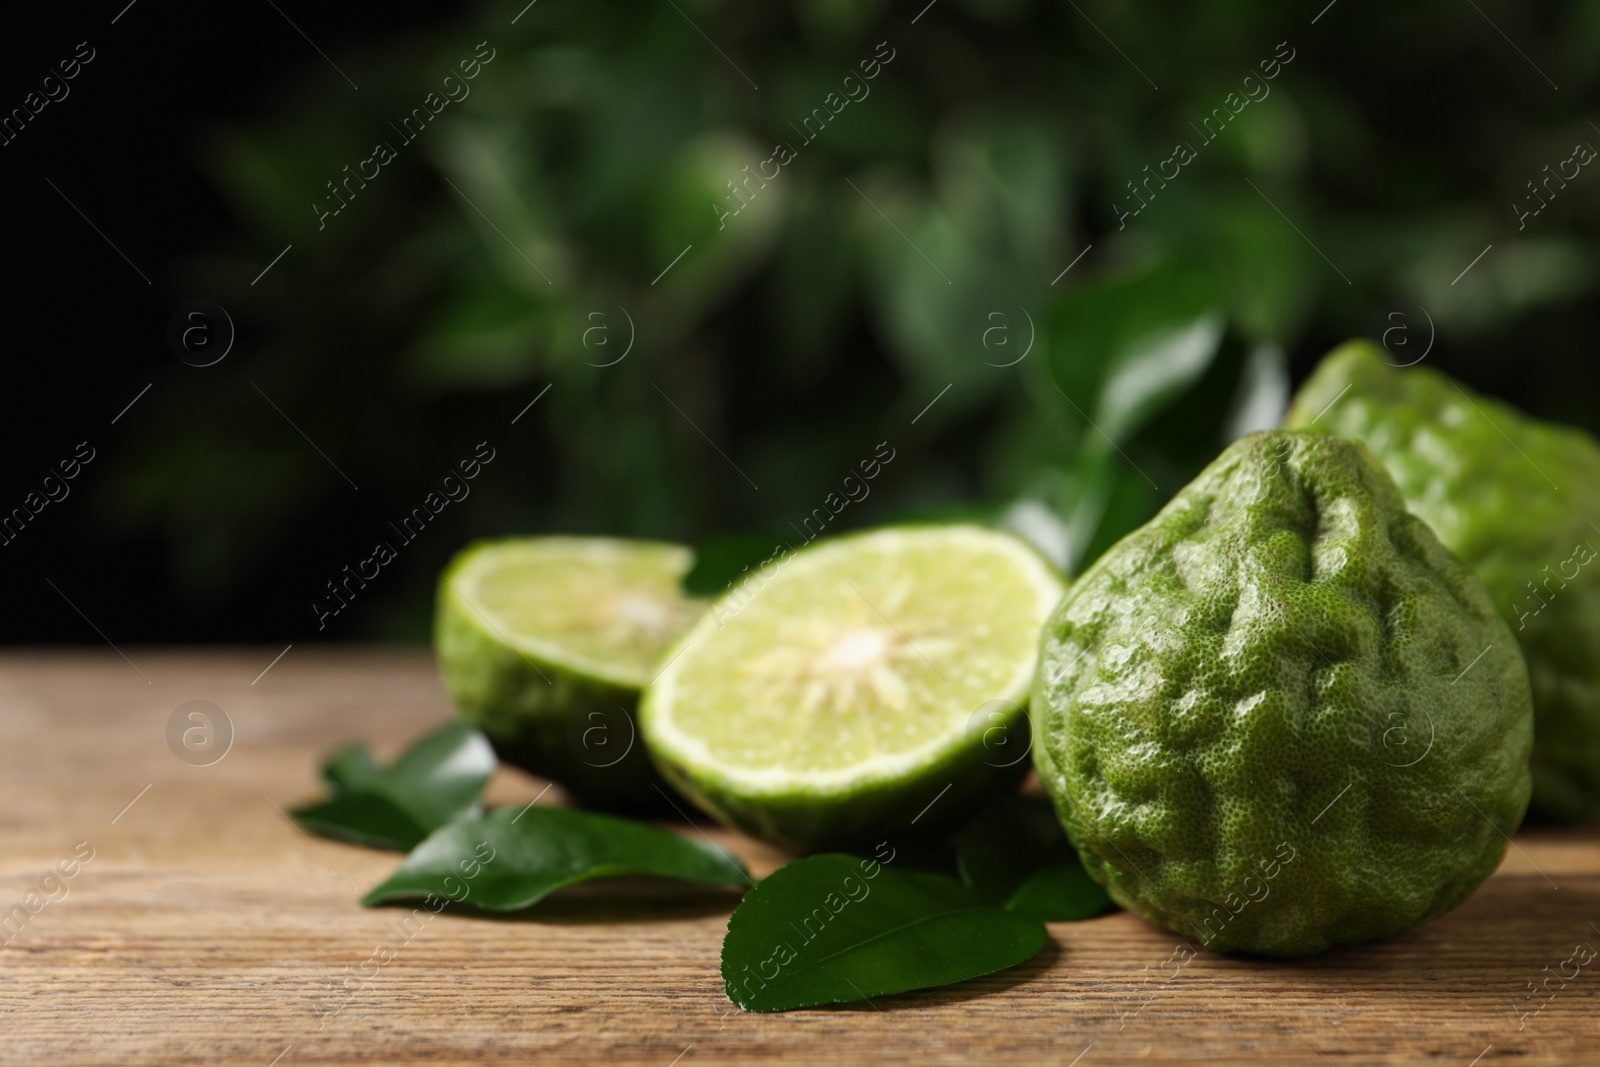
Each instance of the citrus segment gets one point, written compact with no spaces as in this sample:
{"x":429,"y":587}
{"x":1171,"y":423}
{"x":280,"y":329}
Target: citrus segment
{"x":822,"y":698}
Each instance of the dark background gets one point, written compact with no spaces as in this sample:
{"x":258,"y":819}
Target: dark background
{"x":994,"y":145}
{"x":85,"y":332}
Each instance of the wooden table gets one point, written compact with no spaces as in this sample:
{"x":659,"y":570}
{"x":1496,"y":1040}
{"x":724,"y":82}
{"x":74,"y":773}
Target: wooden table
{"x":207,"y":929}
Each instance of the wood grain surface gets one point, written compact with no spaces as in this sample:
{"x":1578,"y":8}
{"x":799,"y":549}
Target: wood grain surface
{"x":207,"y":929}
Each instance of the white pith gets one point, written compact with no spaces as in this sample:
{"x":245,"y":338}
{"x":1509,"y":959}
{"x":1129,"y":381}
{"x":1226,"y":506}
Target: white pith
{"x":855,"y":651}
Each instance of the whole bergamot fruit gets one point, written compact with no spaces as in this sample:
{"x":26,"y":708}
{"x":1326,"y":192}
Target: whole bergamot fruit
{"x":1519,"y":501}
{"x":1282,"y":716}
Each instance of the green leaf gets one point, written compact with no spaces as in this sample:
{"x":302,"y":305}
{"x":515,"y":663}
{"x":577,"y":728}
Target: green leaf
{"x":1006,"y":842}
{"x":720,"y":561}
{"x":350,"y":768}
{"x":1061,"y":892}
{"x":511,"y":859}
{"x":1015,"y":854}
{"x":369,"y":819}
{"x":1154,"y":369}
{"x":830,"y":929}
{"x":1124,"y":348}
{"x":436,"y":780}
{"x":1036,"y":523}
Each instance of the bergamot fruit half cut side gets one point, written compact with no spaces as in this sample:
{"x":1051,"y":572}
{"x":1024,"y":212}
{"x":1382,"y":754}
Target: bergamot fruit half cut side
{"x":1281,"y":716}
{"x":865,"y":686}
{"x":545,"y":643}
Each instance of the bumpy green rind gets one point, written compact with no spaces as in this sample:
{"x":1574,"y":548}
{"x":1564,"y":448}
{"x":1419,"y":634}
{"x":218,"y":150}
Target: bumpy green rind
{"x":1282,"y":716}
{"x":537,"y":713}
{"x":1519,"y":501}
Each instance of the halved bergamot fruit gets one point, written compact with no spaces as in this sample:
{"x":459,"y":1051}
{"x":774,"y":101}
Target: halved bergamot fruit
{"x":865,"y":686}
{"x":545,"y":642}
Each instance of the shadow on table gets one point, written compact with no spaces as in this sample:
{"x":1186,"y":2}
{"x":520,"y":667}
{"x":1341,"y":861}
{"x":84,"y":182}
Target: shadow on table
{"x":1502,"y":937}
{"x":972,"y":989}
{"x":632,"y":899}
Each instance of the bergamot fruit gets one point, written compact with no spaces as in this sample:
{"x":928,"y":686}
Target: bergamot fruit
{"x":1281,"y":716}
{"x":865,"y":685}
{"x":1518,"y":500}
{"x":545,"y":642}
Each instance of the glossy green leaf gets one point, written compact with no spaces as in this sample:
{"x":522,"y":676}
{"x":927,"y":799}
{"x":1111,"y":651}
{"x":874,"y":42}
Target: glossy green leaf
{"x":436,"y":780}
{"x":1015,"y":854}
{"x":1042,"y":527}
{"x":830,"y":929}
{"x":1122,"y":349}
{"x":1006,"y":842}
{"x":720,"y":561}
{"x":1061,"y":892}
{"x":370,"y":819}
{"x":513,"y":858}
{"x":1154,"y":369}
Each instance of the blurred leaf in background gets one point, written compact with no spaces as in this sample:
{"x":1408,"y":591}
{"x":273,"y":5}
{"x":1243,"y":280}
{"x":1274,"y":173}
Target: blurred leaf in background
{"x":743,"y":245}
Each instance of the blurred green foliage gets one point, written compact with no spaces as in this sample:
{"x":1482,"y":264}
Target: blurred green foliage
{"x":917,"y":242}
